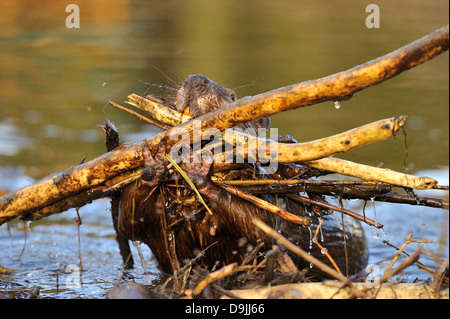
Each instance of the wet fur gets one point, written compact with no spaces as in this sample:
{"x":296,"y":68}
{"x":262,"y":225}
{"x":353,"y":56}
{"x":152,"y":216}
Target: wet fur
{"x":176,"y":232}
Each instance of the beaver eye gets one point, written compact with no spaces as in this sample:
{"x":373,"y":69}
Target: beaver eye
{"x":233,"y":97}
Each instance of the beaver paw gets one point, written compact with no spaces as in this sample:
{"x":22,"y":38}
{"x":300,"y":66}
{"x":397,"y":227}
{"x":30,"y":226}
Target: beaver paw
{"x":156,"y":167}
{"x":197,"y":171}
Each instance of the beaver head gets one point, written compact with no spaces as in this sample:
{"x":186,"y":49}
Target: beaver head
{"x":199,"y":95}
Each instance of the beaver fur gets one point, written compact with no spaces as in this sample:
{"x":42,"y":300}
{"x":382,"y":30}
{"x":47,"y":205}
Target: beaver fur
{"x":176,"y":227}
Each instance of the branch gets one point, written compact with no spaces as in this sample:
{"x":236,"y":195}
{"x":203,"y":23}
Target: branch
{"x":269,"y":207}
{"x":370,"y":173}
{"x":250,"y":146}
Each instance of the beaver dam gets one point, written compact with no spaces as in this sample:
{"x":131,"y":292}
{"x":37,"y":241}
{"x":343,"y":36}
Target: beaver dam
{"x":230,"y":209}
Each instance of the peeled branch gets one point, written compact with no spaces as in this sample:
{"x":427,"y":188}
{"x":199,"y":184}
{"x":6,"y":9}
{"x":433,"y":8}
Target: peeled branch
{"x":370,"y":173}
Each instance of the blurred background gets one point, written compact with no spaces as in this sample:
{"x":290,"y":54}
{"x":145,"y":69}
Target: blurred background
{"x":55,"y":83}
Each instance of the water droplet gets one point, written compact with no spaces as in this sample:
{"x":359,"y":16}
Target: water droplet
{"x":323,"y":251}
{"x":310,"y":237}
{"x":311,"y":265}
{"x":337,"y":105}
{"x":376,"y":235}
{"x":321,"y":233}
{"x":212,"y":230}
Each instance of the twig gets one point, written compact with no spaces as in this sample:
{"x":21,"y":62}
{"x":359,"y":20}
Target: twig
{"x":400,"y":250}
{"x":308,"y":258}
{"x":419,"y":264}
{"x":269,"y":207}
{"x":139,"y":116}
{"x":225,"y":292}
{"x":254,"y":148}
{"x":302,"y":182}
{"x":185,"y":268}
{"x":303,"y":200}
{"x":213,"y":277}
{"x":300,"y":252}
{"x":439,"y":276}
{"x":390,"y":273}
{"x":416,"y":200}
{"x":325,"y":251}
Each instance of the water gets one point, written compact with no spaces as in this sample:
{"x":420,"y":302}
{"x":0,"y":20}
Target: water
{"x":55,"y":83}
{"x":51,"y":260}
{"x":399,"y":220}
{"x":49,"y":257}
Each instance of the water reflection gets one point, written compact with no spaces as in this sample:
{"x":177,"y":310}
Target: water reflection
{"x":11,"y":139}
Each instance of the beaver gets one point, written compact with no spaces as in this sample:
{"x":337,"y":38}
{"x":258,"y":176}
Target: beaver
{"x":176,"y":228}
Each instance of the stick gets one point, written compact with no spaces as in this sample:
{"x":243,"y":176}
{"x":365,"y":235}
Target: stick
{"x":303,"y":200}
{"x":269,"y":207}
{"x":370,"y":173}
{"x":324,"y":250}
{"x":213,"y":277}
{"x":139,"y":116}
{"x":301,"y":152}
{"x":417,"y":200}
{"x":346,"y":189}
{"x":156,"y":110}
{"x":300,"y":252}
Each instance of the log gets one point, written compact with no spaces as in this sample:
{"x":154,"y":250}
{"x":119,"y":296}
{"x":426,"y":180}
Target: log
{"x":333,"y":290}
{"x":332,"y":88}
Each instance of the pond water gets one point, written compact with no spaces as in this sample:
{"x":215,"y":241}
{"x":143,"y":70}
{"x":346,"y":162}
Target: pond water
{"x":50,"y":253}
{"x":55,"y":83}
